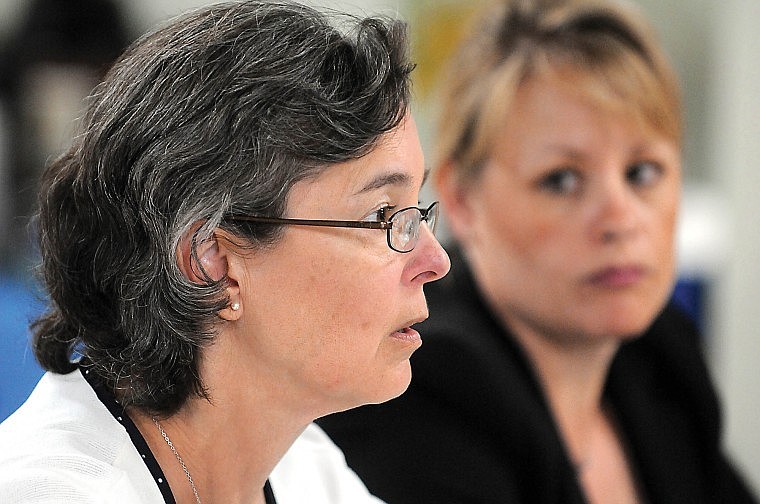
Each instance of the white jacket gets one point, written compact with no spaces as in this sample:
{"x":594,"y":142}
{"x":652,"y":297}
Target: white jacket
{"x":64,"y":446}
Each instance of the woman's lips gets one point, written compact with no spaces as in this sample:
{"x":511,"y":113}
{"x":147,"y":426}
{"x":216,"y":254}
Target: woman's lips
{"x":407,"y":334}
{"x":617,"y":276}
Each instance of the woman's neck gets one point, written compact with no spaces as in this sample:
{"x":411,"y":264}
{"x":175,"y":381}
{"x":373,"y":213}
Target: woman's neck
{"x":572,"y":375}
{"x":230,"y":443}
{"x":228,"y":462}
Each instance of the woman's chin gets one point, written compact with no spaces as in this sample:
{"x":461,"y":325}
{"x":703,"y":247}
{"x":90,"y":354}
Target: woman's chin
{"x":390,"y":386}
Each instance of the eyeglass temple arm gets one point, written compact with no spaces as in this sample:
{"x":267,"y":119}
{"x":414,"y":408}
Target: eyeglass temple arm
{"x":313,"y":222}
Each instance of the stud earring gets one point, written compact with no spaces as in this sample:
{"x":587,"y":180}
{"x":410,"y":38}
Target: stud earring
{"x":235,"y":306}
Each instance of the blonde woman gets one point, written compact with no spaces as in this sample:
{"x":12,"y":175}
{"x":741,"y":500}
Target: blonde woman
{"x":553,"y":370}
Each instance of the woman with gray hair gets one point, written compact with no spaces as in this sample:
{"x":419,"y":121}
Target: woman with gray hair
{"x":232,"y":248}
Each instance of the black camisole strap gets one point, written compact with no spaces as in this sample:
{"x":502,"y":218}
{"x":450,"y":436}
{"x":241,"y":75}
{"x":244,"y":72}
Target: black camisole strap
{"x":118,"y":412}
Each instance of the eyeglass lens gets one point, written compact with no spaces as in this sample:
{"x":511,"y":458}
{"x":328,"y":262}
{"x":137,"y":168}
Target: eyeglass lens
{"x":405,"y":231}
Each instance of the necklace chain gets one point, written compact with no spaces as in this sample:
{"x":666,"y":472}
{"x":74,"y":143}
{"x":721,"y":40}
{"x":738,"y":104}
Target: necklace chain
{"x":179,"y":459}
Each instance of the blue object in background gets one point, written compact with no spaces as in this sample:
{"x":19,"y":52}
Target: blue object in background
{"x":689,"y":295}
{"x":20,"y":303}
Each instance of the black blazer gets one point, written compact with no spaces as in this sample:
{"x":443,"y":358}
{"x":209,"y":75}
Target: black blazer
{"x":474,"y":426}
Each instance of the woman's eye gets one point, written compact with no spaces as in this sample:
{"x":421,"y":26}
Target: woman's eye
{"x":382,"y":214}
{"x":644,"y":174}
{"x":564,"y":181}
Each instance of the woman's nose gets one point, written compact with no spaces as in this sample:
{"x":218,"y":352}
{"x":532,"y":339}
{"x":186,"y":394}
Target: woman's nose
{"x":429,"y":260}
{"x":616,"y":214}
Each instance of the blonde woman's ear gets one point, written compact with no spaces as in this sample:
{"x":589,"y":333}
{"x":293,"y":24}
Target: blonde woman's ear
{"x":455,"y":200}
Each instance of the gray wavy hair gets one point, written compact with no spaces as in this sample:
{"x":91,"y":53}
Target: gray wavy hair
{"x":217,"y":113}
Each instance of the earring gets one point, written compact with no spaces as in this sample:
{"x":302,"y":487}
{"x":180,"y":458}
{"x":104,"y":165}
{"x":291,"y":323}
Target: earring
{"x":235,"y":306}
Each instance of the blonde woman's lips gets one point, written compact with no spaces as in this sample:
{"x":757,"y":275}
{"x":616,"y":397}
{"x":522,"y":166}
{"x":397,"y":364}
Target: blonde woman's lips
{"x":617,"y":276}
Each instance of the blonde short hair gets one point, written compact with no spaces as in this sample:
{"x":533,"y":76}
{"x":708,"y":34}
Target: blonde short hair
{"x":606,"y":48}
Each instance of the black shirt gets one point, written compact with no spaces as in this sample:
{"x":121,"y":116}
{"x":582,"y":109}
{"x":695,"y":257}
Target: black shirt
{"x":474,"y":426}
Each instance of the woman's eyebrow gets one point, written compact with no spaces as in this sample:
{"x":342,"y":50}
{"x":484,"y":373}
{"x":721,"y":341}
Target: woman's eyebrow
{"x":391,"y":178}
{"x":386,"y":179}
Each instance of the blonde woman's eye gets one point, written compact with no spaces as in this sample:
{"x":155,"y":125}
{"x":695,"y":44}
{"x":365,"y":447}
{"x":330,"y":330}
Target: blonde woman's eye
{"x":644,"y":174}
{"x":563,"y":181}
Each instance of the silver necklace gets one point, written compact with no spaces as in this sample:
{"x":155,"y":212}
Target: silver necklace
{"x":179,"y":459}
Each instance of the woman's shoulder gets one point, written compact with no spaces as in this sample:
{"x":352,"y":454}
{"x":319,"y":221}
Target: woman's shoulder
{"x":63,"y":445}
{"x":314,"y":470}
{"x":664,"y":373}
{"x":39,"y":484}
{"x":61,"y":414}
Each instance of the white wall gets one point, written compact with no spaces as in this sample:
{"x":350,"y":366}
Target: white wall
{"x":716,"y":50}
{"x":734,"y":95}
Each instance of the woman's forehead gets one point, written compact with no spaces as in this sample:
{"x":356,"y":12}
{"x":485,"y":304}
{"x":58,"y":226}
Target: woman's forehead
{"x":616,"y":88}
{"x":396,"y":161}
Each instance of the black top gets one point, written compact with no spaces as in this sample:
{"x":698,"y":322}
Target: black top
{"x":474,"y":426}
{"x":119,"y":413}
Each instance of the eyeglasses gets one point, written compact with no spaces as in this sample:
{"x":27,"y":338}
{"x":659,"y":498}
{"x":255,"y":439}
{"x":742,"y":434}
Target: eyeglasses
{"x":403,"y":226}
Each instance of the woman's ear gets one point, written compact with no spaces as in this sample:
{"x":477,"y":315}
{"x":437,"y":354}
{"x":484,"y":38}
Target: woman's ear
{"x":203,"y":264}
{"x":209,"y":262}
{"x":455,"y":200}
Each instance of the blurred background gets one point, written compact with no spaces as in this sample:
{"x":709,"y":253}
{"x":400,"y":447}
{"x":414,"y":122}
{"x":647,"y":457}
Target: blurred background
{"x":52,"y":52}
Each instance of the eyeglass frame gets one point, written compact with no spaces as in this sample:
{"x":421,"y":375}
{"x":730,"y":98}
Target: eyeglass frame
{"x":425,"y":213}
